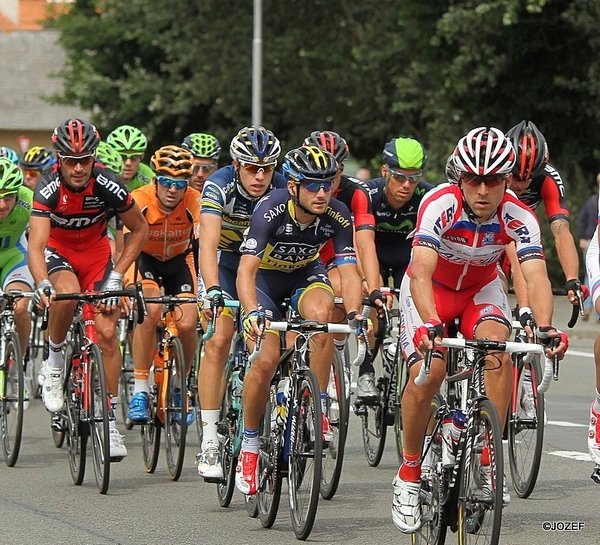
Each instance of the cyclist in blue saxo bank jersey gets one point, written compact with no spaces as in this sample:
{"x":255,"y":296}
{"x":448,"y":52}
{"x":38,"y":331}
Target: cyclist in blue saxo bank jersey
{"x":462,"y":231}
{"x":228,"y":199}
{"x":281,"y":259}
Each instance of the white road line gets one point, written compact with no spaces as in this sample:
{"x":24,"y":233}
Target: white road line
{"x":572,"y":454}
{"x":565,"y":424}
{"x":580,"y":354}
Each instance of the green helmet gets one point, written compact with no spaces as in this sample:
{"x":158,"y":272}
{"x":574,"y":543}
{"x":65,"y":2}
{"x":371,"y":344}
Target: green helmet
{"x":202,"y":146}
{"x":11,"y":176}
{"x":404,"y":153}
{"x":127,"y":138}
{"x":110,"y":158}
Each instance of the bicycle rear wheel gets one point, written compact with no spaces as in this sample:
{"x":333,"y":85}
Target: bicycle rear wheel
{"x":373,"y":415}
{"x":150,"y":433}
{"x":526,"y":433}
{"x":401,"y":381}
{"x":75,"y":431}
{"x":11,"y":404}
{"x":228,"y":460}
{"x":194,"y":386}
{"x":99,"y":417}
{"x":433,"y":483}
{"x":338,"y":408}
{"x":176,"y":414}
{"x":126,"y":384}
{"x":269,"y":463}
{"x":480,"y":492}
{"x":305,"y":452}
{"x":34,"y":354}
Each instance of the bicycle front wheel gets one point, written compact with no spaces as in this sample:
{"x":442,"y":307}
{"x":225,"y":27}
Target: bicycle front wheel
{"x":11,"y":404}
{"x":99,"y":417}
{"x":305,"y":452}
{"x":480,"y":492}
{"x":176,"y":415}
{"x":76,"y":432}
{"x":126,"y":384}
{"x":338,"y":408}
{"x":228,"y":460}
{"x":526,"y":431}
{"x":401,"y":381}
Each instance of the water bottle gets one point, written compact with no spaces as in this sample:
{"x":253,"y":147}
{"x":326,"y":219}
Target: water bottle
{"x":236,"y":390}
{"x":283,"y":391}
{"x":447,"y":446}
{"x":389,"y":348}
{"x":458,"y":425}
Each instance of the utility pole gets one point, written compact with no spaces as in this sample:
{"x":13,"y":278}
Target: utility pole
{"x":257,"y":64}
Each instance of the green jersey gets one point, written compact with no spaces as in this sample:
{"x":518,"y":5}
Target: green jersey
{"x":15,"y":225}
{"x":143,"y":177}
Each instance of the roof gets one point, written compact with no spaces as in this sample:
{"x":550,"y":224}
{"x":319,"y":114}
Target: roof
{"x":28,"y":57}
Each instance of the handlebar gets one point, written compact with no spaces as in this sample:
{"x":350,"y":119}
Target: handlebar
{"x":212,"y":325}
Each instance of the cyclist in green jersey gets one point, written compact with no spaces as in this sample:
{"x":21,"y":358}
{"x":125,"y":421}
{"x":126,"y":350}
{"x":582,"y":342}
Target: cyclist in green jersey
{"x":131,"y":143}
{"x":15,"y":209}
{"x":206,"y":151}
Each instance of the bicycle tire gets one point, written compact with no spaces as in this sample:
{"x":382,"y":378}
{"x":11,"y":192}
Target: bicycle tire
{"x":176,"y":413}
{"x":526,"y":435}
{"x":373,"y":415}
{"x":251,"y":505}
{"x":58,"y":435}
{"x":12,"y":399}
{"x":305,"y":452}
{"x":99,"y":419}
{"x":401,"y":382}
{"x":338,"y":409}
{"x":76,"y":433}
{"x":479,"y":512}
{"x":433,"y":484}
{"x":34,"y":355}
{"x":269,"y":463}
{"x":126,"y":386}
{"x":150,"y":433}
{"x":195,"y":390}
{"x":228,"y":460}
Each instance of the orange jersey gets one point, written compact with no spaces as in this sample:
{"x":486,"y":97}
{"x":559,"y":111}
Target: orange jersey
{"x":170,"y":233}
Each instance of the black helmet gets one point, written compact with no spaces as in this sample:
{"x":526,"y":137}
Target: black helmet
{"x":309,"y":163}
{"x":75,"y":136}
{"x":329,"y":141}
{"x":531,"y":150}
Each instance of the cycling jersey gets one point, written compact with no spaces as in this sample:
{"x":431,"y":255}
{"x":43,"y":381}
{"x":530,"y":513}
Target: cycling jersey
{"x":468,"y":250}
{"x":284,"y":245}
{"x":393,"y":228}
{"x":549,"y":188}
{"x":355,"y":195}
{"x":170,"y":233}
{"x":142,"y":177}
{"x":224,"y":196}
{"x":78,"y":218}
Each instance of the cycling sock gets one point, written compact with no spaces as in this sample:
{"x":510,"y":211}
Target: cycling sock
{"x":56,"y":360}
{"x":209,"y":427}
{"x":597,"y":403}
{"x":140,"y":381}
{"x":410,"y":470}
{"x":114,"y":401}
{"x":251,"y":441}
{"x":324,"y":403}
{"x":366,"y":366}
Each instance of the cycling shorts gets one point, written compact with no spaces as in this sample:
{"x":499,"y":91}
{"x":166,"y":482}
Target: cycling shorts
{"x":91,"y":268}
{"x":471,"y":306}
{"x":592,"y":264}
{"x":14,"y":268}
{"x":228,"y":263}
{"x":176,"y":275}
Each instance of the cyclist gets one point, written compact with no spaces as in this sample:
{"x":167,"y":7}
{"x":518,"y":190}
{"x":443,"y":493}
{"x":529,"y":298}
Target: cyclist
{"x":281,"y":259}
{"x":462,"y":230}
{"x":131,"y":143}
{"x":534,"y":180}
{"x":355,"y":195}
{"x":35,"y":162}
{"x":172,"y":210}
{"x":9,"y":154}
{"x":69,"y":252}
{"x":15,"y":209}
{"x":228,"y":199}
{"x":395,"y":198}
{"x":206,"y":151}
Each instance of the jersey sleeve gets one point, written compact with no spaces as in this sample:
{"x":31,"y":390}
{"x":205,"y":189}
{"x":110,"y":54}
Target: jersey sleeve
{"x":361,"y":210}
{"x":213,"y":198}
{"x":553,"y":195}
{"x":262,"y":225}
{"x":343,"y":243}
{"x":45,"y":196}
{"x":523,"y":227}
{"x":436,"y":213}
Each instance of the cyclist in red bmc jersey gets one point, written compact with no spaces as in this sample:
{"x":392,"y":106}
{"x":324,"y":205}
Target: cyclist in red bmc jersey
{"x":69,"y":251}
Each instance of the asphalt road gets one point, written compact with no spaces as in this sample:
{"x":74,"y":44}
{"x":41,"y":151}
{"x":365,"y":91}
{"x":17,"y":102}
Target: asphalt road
{"x":40,"y":504}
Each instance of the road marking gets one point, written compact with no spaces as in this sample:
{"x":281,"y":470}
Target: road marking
{"x":572,"y":454}
{"x":580,"y":353}
{"x":565,"y":424}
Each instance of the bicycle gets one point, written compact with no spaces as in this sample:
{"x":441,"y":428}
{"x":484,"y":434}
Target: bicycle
{"x":34,"y":353}
{"x":126,"y":378}
{"x":12,"y":378}
{"x":291,"y":443}
{"x":168,"y":402}
{"x":462,"y":477}
{"x":87,"y":410}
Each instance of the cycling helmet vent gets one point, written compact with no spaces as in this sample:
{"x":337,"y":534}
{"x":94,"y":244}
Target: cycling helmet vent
{"x":127,"y":139}
{"x":483,"y":152}
{"x":202,"y":146}
{"x":329,"y":141}
{"x":309,"y":163}
{"x":11,"y":176}
{"x":531,"y":150}
{"x":173,"y":162}
{"x":75,"y":136}
{"x":255,"y":145}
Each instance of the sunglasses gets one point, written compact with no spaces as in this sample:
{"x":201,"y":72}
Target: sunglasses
{"x":8,"y":196}
{"x":315,"y":187}
{"x":83,"y":160}
{"x":254,"y":168}
{"x":490,"y":181}
{"x":400,"y":177}
{"x":206,"y":168}
{"x":132,"y":156}
{"x":171,"y":183}
{"x":32,"y":173}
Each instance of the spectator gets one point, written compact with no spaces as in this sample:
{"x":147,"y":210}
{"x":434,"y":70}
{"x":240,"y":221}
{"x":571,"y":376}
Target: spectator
{"x":363,"y":174}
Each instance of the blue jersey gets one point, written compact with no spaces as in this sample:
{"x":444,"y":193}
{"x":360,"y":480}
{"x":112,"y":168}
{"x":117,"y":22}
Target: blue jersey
{"x":224,"y":196}
{"x":283,"y":244}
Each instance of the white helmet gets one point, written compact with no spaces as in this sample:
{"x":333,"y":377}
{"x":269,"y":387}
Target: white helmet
{"x":484,"y":152}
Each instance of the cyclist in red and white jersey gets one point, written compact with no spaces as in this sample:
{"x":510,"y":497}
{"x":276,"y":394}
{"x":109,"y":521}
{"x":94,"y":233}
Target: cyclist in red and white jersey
{"x":462,"y":230}
{"x":69,"y":252}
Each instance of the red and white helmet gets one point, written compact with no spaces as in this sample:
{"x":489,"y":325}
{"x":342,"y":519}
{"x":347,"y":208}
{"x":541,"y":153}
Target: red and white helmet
{"x":484,"y":151}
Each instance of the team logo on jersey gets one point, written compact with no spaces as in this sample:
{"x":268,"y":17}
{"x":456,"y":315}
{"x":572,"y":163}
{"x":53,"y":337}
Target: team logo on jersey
{"x":91,"y":202}
{"x":293,"y":252}
{"x":487,"y":239}
{"x":186,"y":288}
{"x":251,"y":244}
{"x":486,"y":310}
{"x":148,"y":275}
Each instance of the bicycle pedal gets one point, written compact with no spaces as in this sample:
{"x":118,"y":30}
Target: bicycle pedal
{"x":359,"y":409}
{"x":595,"y":476}
{"x":214,"y":480}
{"x":116,"y":458}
